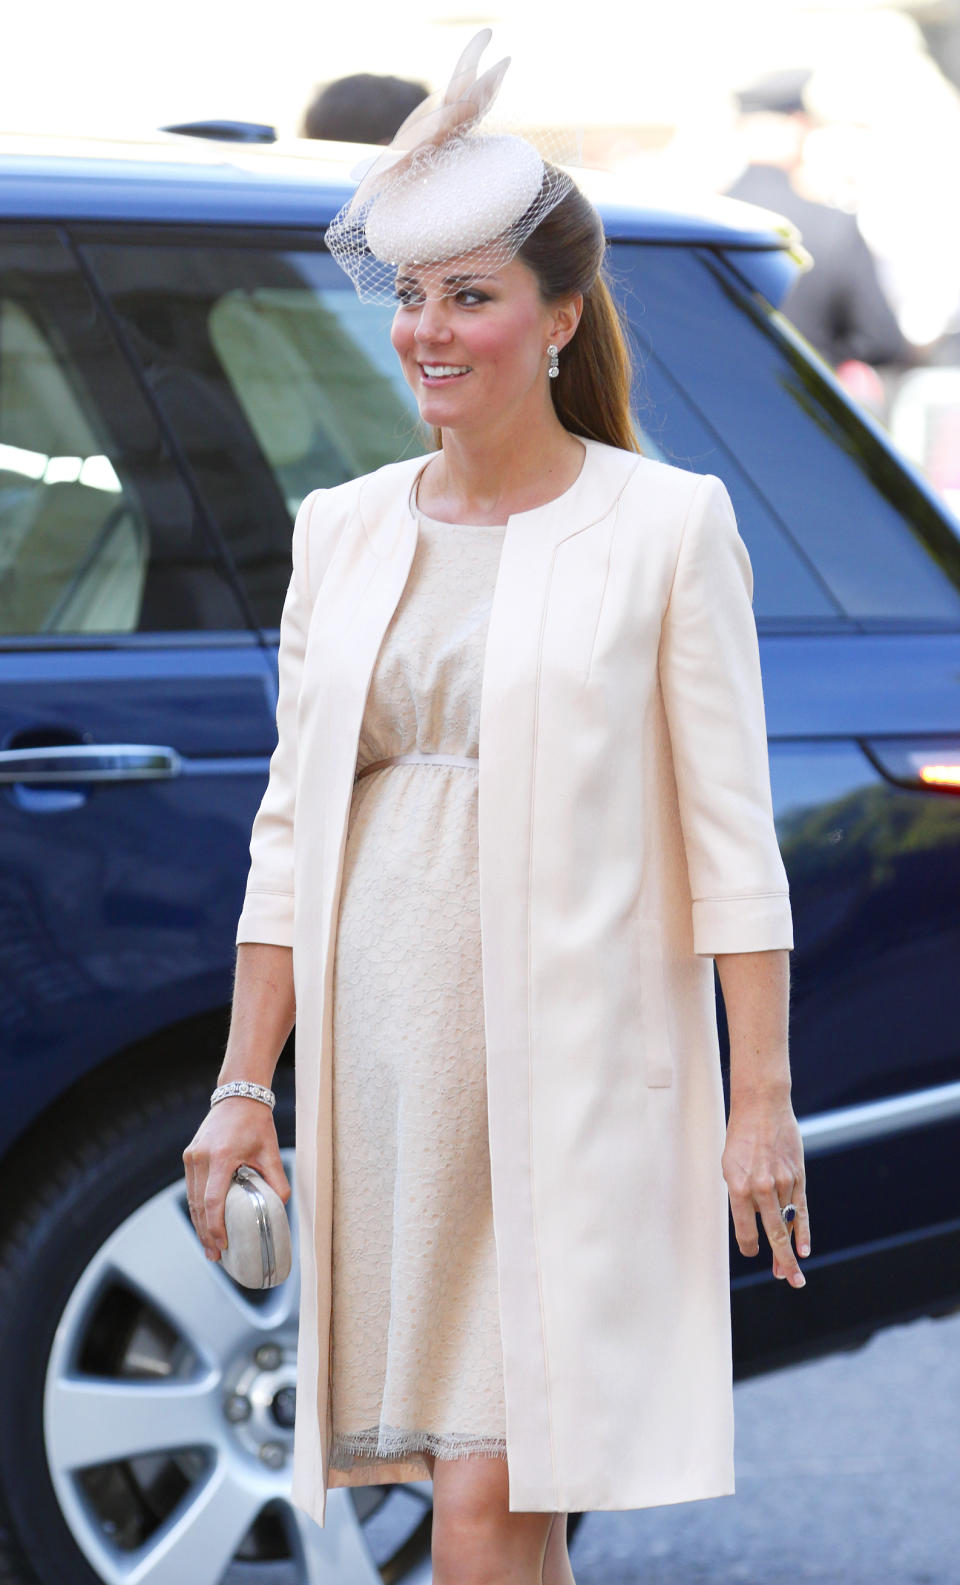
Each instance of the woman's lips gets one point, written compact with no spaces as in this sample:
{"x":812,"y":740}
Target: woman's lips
{"x":443,"y":373}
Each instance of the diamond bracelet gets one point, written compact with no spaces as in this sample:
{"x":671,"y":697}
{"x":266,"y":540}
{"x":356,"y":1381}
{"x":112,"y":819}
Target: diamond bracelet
{"x":253,"y":1092}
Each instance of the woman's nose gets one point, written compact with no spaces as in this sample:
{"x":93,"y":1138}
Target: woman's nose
{"x":433,"y":323}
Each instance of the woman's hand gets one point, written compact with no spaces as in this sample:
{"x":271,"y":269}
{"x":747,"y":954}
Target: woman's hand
{"x":236,"y":1131}
{"x":763,"y":1157}
{"x":764,"y":1171}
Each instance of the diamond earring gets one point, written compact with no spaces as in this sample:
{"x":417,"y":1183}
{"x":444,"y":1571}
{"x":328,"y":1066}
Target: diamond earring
{"x":554,"y":356}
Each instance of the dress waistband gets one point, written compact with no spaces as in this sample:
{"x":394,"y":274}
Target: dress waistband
{"x":467,"y":761}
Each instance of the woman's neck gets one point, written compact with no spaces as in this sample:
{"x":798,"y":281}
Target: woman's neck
{"x":482,"y":479}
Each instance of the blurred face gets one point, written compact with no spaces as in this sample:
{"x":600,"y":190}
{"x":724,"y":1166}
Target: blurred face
{"x":479,"y":351}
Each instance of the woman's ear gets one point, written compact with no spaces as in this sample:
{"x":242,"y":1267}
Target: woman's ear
{"x":566,"y":318}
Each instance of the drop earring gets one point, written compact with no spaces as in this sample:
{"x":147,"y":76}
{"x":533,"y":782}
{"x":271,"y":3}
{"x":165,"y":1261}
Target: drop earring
{"x":554,"y":356}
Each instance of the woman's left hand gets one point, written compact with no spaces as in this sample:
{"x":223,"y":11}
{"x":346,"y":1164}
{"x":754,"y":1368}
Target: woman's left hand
{"x":764,"y":1171}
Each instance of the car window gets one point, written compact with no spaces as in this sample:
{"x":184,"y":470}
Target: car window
{"x":97,"y":532}
{"x":274,"y":378}
{"x":318,"y":380}
{"x":837,"y":533}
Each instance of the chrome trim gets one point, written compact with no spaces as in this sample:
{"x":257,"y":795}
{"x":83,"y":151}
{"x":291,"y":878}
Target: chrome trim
{"x":81,"y":762}
{"x":895,"y":1114}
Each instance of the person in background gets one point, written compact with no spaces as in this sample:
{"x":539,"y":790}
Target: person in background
{"x":839,"y":305}
{"x":363,"y":108}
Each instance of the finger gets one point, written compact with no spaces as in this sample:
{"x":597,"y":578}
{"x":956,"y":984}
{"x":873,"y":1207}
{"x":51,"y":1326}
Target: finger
{"x":779,"y":1238}
{"x":202,"y":1204}
{"x":801,"y":1227}
{"x":779,"y":1270}
{"x":784,"y":1260}
{"x":744,"y":1214}
{"x":188,"y":1179}
{"x":214,"y":1201}
{"x":195,"y":1180}
{"x":799,"y":1224}
{"x":188,"y":1173}
{"x":271,"y":1168}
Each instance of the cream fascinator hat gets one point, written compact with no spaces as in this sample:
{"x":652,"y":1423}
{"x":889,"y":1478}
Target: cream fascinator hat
{"x":443,"y":190}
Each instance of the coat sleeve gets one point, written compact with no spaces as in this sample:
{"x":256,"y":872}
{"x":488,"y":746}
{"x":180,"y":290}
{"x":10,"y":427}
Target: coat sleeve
{"x":267,"y":913}
{"x":713,"y":696}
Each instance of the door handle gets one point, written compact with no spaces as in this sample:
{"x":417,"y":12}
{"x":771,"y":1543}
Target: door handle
{"x":89,"y":762}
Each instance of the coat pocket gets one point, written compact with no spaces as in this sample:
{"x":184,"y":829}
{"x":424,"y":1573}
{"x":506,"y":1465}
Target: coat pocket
{"x":655,"y":1020}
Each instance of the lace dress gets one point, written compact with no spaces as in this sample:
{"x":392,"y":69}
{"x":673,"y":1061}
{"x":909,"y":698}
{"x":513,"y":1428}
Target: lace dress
{"x":415,"y":1357}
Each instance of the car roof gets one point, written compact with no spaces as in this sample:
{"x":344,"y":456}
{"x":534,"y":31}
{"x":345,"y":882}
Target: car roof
{"x":164,"y":177}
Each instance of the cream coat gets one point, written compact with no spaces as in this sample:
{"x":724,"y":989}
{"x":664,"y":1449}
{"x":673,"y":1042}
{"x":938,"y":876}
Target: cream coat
{"x":626,"y":836}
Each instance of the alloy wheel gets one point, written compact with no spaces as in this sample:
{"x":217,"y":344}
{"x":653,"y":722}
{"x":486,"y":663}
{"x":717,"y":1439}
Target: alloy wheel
{"x":168,"y":1418}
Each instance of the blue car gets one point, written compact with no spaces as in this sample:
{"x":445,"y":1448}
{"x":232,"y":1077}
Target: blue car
{"x":180,"y":363}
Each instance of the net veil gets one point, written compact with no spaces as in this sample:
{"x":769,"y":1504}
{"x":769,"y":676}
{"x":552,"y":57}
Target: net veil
{"x":446,"y":201}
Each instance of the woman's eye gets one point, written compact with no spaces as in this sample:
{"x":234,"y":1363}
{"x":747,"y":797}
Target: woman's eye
{"x":407,"y":296}
{"x":470,"y":297}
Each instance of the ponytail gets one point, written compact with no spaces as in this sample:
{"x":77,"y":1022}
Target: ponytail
{"x":592,"y":391}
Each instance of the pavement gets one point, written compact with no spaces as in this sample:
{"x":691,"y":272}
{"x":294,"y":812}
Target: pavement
{"x":848,"y":1473}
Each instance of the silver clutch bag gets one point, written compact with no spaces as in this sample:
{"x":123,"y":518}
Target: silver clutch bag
{"x":258,"y":1233}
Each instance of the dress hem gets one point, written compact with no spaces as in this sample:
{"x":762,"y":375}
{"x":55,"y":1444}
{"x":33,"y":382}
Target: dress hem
{"x":351,"y":1448}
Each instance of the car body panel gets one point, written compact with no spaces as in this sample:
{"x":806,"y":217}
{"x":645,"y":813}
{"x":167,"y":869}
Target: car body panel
{"x":177,"y":180}
{"x":118,"y":899}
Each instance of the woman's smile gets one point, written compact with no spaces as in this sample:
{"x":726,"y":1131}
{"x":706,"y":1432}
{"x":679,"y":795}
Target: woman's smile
{"x":435,"y":373}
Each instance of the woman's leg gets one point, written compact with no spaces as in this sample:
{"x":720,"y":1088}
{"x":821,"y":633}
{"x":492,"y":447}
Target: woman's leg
{"x":556,"y":1561}
{"x":477,"y":1540}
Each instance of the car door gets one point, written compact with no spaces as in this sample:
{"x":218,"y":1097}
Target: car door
{"x":857,"y":601}
{"x":136,"y":701}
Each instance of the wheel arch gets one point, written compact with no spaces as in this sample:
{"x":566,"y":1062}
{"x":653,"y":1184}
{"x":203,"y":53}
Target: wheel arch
{"x":180,"y":1051}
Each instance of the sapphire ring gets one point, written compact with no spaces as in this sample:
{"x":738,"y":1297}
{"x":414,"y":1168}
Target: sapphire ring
{"x":788,"y":1214}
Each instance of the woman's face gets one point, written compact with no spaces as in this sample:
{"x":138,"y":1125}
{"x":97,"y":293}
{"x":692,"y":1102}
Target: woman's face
{"x":479,"y":351}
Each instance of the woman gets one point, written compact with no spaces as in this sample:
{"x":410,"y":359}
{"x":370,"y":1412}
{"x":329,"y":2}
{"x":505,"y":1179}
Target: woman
{"x":519,"y":804}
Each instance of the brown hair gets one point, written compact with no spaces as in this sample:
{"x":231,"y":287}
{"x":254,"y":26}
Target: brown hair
{"x":591,"y":393}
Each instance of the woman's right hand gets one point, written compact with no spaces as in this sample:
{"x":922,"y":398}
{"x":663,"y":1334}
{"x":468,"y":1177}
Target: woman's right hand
{"x":235,"y":1132}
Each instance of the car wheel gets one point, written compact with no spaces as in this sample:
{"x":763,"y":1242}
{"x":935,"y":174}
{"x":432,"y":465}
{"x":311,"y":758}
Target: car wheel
{"x":146,"y":1400}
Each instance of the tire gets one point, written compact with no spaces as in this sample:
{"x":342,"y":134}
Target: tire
{"x":146,"y":1400}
